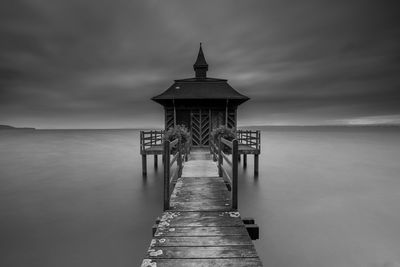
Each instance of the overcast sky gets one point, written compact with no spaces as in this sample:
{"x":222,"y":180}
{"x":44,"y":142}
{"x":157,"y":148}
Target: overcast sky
{"x":96,"y":64}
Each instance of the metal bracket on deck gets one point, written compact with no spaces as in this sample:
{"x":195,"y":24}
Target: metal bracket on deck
{"x":155,"y":226}
{"x":252,"y":228}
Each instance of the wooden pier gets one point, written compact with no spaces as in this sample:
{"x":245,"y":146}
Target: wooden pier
{"x":200,"y":225}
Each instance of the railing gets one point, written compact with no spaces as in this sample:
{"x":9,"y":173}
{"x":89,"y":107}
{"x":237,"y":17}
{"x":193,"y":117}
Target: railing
{"x":150,"y":138}
{"x":232,"y":178}
{"x":186,"y":148}
{"x":170,"y":159}
{"x":249,"y":138}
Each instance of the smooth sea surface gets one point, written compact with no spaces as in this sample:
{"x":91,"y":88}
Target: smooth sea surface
{"x":325,"y":196}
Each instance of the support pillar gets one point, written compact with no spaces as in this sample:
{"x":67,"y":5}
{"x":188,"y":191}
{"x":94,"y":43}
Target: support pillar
{"x":155,"y":161}
{"x":144,"y":164}
{"x":256,"y":164}
{"x":244,"y":160}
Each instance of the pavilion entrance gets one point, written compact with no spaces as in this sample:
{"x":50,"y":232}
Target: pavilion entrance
{"x":200,"y":127}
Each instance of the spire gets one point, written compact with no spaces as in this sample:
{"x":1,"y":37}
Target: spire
{"x":200,"y":66}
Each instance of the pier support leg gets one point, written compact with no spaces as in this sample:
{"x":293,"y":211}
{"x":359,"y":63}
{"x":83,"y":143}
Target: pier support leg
{"x":155,"y":161}
{"x":144,"y":164}
{"x":255,"y":164}
{"x":239,"y":158}
{"x":244,"y":160}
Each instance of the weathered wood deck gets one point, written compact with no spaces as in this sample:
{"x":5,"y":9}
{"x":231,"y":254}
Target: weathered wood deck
{"x":200,"y":228}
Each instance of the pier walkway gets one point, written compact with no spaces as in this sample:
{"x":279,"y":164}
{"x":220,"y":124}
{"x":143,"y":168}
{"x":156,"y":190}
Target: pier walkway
{"x":201,"y":228}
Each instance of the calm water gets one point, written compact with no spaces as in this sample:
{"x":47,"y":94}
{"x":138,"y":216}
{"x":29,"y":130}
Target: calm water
{"x":324,"y":197}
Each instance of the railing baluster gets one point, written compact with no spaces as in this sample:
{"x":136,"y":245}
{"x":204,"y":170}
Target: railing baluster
{"x":219,"y":157}
{"x":166,"y":155}
{"x":169,"y":180}
{"x":179,"y":159}
{"x":234,"y":174}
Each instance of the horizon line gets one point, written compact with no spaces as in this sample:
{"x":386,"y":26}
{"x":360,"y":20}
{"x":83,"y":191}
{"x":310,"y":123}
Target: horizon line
{"x":240,"y":126}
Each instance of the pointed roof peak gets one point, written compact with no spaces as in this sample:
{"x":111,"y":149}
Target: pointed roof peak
{"x":200,"y":66}
{"x":201,"y":60}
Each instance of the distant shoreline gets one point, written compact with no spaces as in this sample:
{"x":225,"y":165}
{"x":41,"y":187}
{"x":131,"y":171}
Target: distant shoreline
{"x":8,"y":127}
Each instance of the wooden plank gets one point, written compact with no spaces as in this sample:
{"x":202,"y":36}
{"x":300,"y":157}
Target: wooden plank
{"x":205,"y":218}
{"x":226,"y":175}
{"x":212,"y":192}
{"x":200,"y":168}
{"x":245,"y":149}
{"x":226,"y":142}
{"x":154,"y":150}
{"x":231,"y":262}
{"x":218,"y":252}
{"x":208,"y":180}
{"x":199,"y":196}
{"x":226,"y":158}
{"x":205,"y":241}
{"x":201,"y":231}
{"x":201,"y":187}
{"x":199,"y":206}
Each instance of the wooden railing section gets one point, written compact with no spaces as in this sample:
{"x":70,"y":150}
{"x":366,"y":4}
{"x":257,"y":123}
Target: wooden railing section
{"x":150,"y":139}
{"x":170,"y":158}
{"x":249,"y":143}
{"x":150,"y":144}
{"x":249,"y":138}
{"x":231,"y":179}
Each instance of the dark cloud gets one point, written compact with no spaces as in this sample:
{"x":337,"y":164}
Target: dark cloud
{"x":98,"y":63}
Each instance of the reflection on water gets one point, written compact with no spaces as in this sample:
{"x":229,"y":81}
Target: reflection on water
{"x":324,"y":197}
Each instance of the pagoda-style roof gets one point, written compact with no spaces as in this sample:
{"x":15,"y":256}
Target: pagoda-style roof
{"x":200,"y":88}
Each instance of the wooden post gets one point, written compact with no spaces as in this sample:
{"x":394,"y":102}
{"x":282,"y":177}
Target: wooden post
{"x":186,"y":146}
{"x":173,"y":101}
{"x":255,"y":164}
{"x":219,"y":157}
{"x":226,"y":113}
{"x":166,"y":155}
{"x":179,"y":162}
{"x":142,"y":152}
{"x":244,"y":160}
{"x":235,"y":174}
{"x":214,"y":153}
{"x":141,"y":142}
{"x":144,"y":164}
{"x":155,"y":161}
{"x":209,"y":127}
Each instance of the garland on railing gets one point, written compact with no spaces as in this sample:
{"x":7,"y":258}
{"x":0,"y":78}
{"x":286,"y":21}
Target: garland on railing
{"x":180,"y":132}
{"x":224,"y":132}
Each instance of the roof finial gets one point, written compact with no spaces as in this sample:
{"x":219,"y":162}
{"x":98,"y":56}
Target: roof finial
{"x":201,"y":66}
